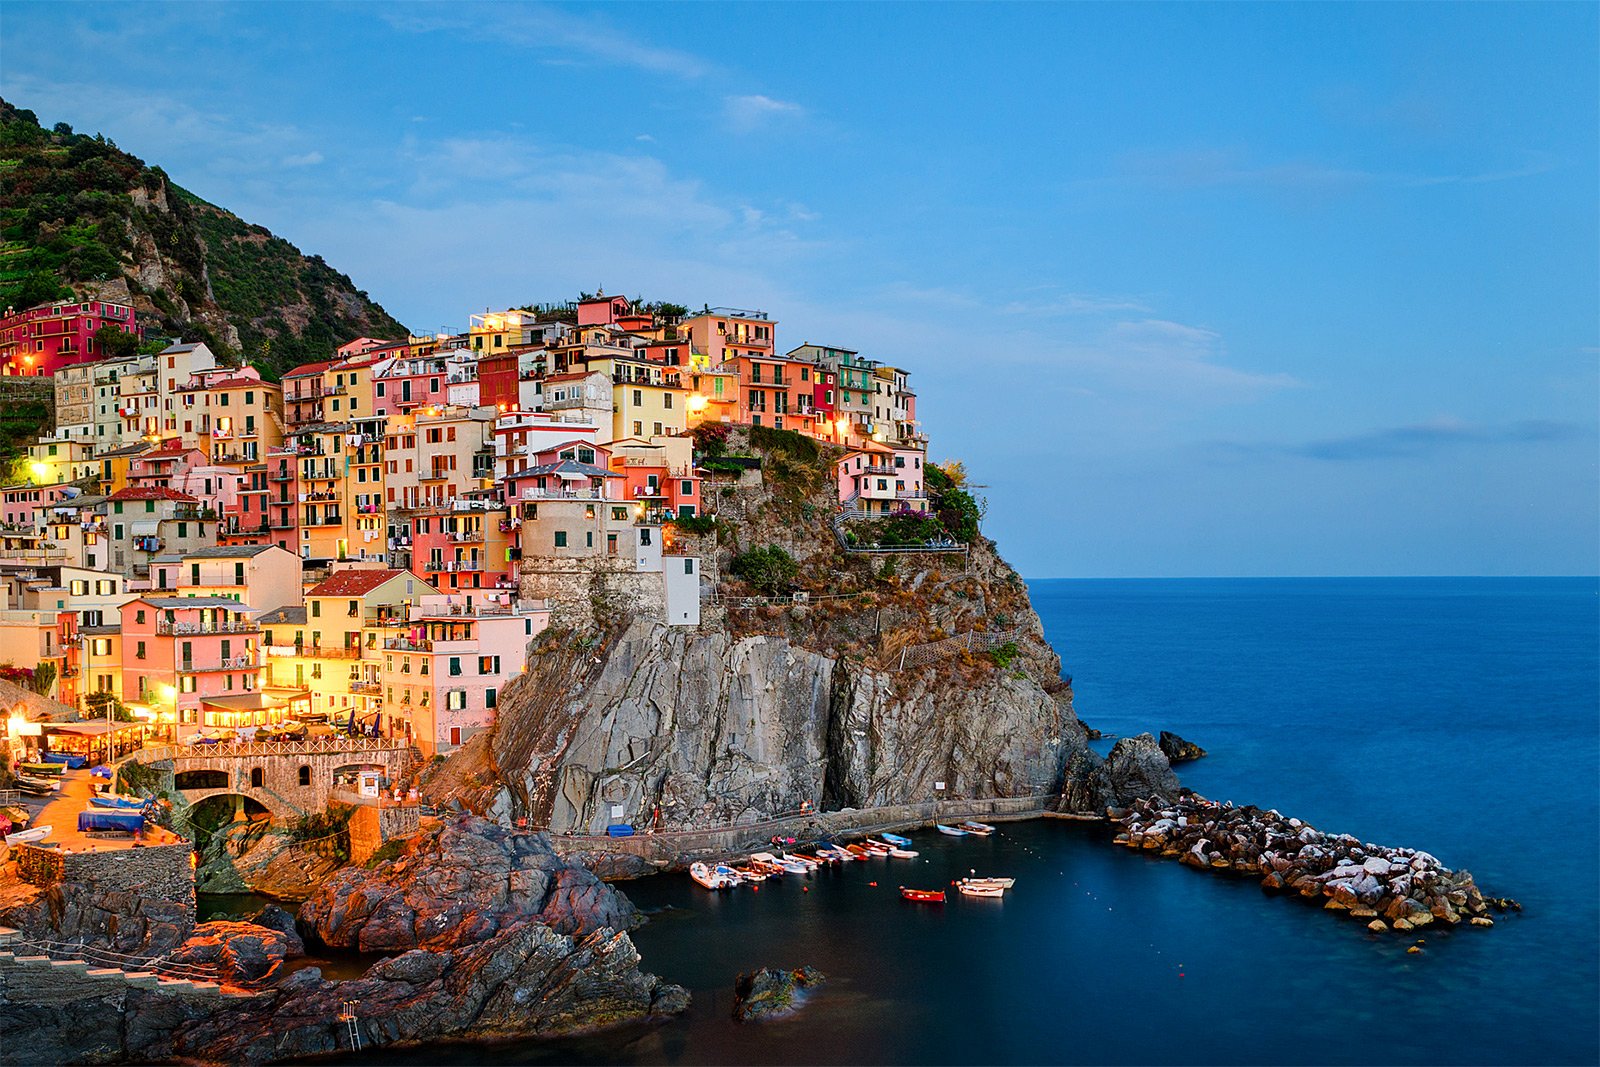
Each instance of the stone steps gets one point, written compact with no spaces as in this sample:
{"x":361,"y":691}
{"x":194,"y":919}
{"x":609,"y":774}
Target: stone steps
{"x":40,"y":978}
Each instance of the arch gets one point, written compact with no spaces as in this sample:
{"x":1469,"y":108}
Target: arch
{"x":258,"y":777}
{"x":211,"y":813}
{"x":305,"y":775}
{"x":200,"y":778}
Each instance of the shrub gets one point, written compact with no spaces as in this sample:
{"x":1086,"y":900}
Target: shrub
{"x":1003,"y":655}
{"x":770,"y":570}
{"x":696,"y":524}
{"x":710,"y":438}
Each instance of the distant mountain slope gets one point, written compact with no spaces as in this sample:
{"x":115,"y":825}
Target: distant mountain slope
{"x":79,"y":215}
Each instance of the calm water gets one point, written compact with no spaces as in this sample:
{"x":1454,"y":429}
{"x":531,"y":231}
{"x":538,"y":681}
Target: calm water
{"x":1453,"y":715}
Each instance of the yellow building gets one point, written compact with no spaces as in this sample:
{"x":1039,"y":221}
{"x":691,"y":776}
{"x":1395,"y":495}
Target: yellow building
{"x":648,"y":399}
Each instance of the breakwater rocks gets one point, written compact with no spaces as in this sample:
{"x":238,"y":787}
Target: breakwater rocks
{"x":770,"y":993}
{"x":1387,"y":888}
{"x":1178,"y":750}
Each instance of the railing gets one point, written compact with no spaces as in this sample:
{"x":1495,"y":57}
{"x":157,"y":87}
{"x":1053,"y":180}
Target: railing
{"x":366,"y":687}
{"x":309,"y":746}
{"x":408,"y":644}
{"x":190,"y":629}
{"x":101,"y":957}
{"x":326,"y":652}
{"x":971,"y":641}
{"x":231,"y":663}
{"x":563,"y":494}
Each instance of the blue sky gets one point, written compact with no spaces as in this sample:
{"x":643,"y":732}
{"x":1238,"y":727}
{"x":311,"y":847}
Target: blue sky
{"x":1193,"y":290}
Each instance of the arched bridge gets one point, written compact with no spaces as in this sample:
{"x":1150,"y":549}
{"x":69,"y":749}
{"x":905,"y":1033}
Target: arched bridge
{"x":288,"y":778}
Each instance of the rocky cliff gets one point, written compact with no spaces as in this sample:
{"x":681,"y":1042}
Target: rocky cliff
{"x":866,"y":694}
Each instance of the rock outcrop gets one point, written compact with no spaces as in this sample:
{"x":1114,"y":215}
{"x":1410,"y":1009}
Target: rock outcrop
{"x":1178,"y":750}
{"x":1373,"y":883}
{"x":238,"y":953}
{"x":770,"y":993}
{"x":459,"y":885}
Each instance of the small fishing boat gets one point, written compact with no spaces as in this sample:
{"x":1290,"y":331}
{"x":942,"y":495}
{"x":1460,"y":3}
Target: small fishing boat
{"x":807,"y":862}
{"x":710,"y":879}
{"x":70,"y":760}
{"x":925,"y":896}
{"x":1002,"y":883}
{"x":101,"y":771}
{"x":904,"y":853}
{"x":951,"y":830}
{"x":37,"y":787}
{"x":817,"y":859}
{"x":970,"y":890}
{"x":857,"y":851}
{"x":747,"y":873}
{"x":126,"y":822}
{"x":982,"y":829}
{"x":123,"y":803}
{"x":896,"y":839}
{"x":728,"y":875}
{"x":43,"y":770}
{"x":28,"y":836}
{"x":833,"y":853}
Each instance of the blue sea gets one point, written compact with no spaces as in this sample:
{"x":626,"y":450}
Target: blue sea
{"x":1453,"y":715}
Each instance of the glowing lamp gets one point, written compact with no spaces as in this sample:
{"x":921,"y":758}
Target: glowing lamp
{"x":40,"y":470}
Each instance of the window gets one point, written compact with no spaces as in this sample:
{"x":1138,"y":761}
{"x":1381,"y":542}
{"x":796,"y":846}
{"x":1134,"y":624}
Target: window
{"x":638,"y":428}
{"x":138,"y":616}
{"x":139,"y":651}
{"x":688,"y":489}
{"x":258,"y":777}
{"x":456,"y":700}
{"x":80,"y":587}
{"x":305,"y":775}
{"x":561,"y":539}
{"x":488,"y":664}
{"x":688,"y":566}
{"x":316,"y":609}
{"x":488,"y":698}
{"x":619,"y":514}
{"x":666,"y":400}
{"x":455,"y":666}
{"x":638,"y":397}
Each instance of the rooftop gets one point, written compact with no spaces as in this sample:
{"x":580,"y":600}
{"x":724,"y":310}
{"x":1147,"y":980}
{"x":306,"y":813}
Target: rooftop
{"x":289,"y":614}
{"x":173,"y":603}
{"x":356,"y":582}
{"x":152,"y":493}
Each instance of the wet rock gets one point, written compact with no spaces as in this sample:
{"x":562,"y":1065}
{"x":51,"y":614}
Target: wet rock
{"x":237,"y":952}
{"x":1177,"y":750}
{"x":460,"y":884}
{"x":1137,"y":769}
{"x":1377,"y":926}
{"x":770,"y":993}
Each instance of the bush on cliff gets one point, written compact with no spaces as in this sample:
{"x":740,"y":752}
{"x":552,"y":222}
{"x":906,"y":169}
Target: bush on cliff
{"x":957,"y":509}
{"x":695,"y":524}
{"x":770,"y":570}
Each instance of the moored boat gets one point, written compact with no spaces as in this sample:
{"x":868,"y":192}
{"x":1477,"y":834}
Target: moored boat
{"x":28,"y":836}
{"x":925,"y":896}
{"x":98,"y":819}
{"x":43,"y":770}
{"x":122,"y":803}
{"x":982,"y":829}
{"x":1002,"y":883}
{"x":951,"y":830}
{"x":704,"y":875}
{"x":896,"y":839}
{"x":970,"y":890}
{"x":37,"y":786}
{"x":904,"y":853}
{"x":856,"y":851}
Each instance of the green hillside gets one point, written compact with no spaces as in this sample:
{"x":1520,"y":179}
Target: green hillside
{"x":79,"y":215}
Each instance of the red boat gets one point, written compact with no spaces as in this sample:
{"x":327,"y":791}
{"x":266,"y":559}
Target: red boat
{"x":926,"y":896}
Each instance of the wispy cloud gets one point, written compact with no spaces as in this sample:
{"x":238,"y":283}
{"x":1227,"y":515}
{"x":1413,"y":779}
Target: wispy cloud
{"x":746,"y":114}
{"x":562,"y":37}
{"x":1216,"y":168}
{"x":305,"y":159}
{"x":1414,"y":441}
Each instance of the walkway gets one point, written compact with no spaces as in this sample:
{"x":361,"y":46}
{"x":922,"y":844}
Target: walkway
{"x":61,"y":815}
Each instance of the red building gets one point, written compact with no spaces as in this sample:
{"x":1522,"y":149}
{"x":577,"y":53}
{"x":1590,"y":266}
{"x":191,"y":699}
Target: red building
{"x":40,"y":341}
{"x":498,"y":380}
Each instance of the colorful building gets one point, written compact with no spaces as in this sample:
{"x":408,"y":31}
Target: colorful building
{"x":179,"y":650}
{"x":41,"y":340}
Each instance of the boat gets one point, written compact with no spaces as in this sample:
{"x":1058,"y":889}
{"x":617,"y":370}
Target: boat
{"x":925,"y":896}
{"x":727,"y":874}
{"x":43,"y":770}
{"x":711,"y":879}
{"x":28,"y":836}
{"x":805,"y":861}
{"x":968,"y":889}
{"x":123,"y":803}
{"x":951,"y":830}
{"x":982,"y":829}
{"x":904,"y":853}
{"x":857,"y":851}
{"x":123,"y":821}
{"x":72,"y":761}
{"x":793,"y":866}
{"x":748,"y":873}
{"x":816,"y":860}
{"x":37,"y":786}
{"x":1002,"y":883}
{"x":896,"y":839}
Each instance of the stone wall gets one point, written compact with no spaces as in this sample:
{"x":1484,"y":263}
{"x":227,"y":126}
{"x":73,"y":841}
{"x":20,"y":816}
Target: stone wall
{"x":161,"y":872}
{"x":588,"y":591}
{"x":371,"y":826}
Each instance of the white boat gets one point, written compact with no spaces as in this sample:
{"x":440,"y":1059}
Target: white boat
{"x":950,"y":830}
{"x":904,"y":853}
{"x":711,"y":879}
{"x":28,"y":836}
{"x":982,"y":829}
{"x":729,"y":876}
{"x":805,"y":864}
{"x":980,"y":890}
{"x":1002,"y":883}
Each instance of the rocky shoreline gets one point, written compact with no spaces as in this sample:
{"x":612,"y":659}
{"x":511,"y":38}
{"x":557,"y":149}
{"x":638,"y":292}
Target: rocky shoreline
{"x":1390,"y":888}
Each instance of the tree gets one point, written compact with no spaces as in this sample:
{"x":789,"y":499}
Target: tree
{"x":44,"y":679}
{"x":770,"y":570}
{"x":116,"y":342}
{"x":107,"y":706}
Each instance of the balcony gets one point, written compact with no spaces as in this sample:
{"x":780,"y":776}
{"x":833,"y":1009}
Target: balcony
{"x":326,"y":520}
{"x":192,"y":629}
{"x":408,"y":644}
{"x":369,"y":688}
{"x":563,"y":494}
{"x":232,"y":663}
{"x":467,"y":538}
{"x":327,"y":652}
{"x":649,"y":492}
{"x":281,"y":475}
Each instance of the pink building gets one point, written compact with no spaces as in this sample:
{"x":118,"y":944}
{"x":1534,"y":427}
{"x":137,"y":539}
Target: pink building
{"x":178,"y":651}
{"x":409,"y":383}
{"x":881,"y":480}
{"x":40,"y":341}
{"x":442,"y":678}
{"x":18,"y":501}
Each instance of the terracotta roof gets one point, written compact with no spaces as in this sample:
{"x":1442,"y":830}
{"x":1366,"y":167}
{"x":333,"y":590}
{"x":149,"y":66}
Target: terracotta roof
{"x":235,"y":383}
{"x":309,"y":368}
{"x":152,"y":493}
{"x":355,"y":582}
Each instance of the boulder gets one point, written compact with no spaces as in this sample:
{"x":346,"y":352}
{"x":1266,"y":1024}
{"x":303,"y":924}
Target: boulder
{"x":1177,"y":750}
{"x":770,"y":993}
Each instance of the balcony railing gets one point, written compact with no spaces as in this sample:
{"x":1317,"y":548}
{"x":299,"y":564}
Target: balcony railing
{"x":327,"y":652}
{"x":563,"y":494}
{"x":193,"y":629}
{"x":232,"y":663}
{"x":408,"y":644}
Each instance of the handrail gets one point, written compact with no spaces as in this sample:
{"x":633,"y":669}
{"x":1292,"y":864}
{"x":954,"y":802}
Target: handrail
{"x":309,"y":746}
